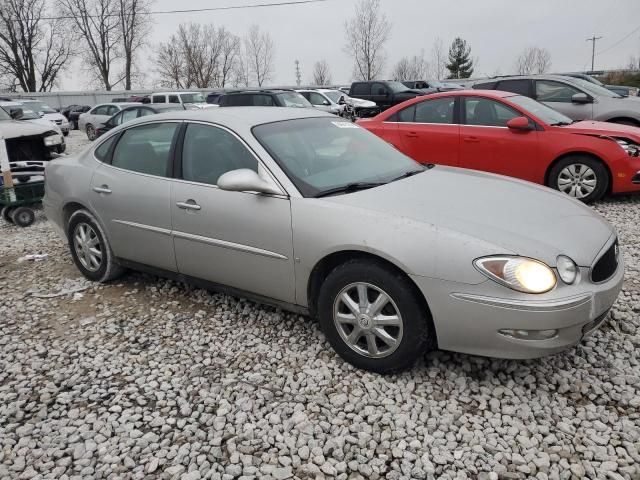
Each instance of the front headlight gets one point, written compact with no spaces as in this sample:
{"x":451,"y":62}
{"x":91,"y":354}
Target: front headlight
{"x":52,"y":139}
{"x":567,"y":269}
{"x":631,"y":149}
{"x":518,"y":273}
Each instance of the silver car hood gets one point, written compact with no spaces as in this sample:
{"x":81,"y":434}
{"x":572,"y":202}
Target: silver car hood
{"x":517,"y":217}
{"x":23,"y":128}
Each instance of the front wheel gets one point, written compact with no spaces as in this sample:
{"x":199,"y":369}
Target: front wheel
{"x":23,"y":216}
{"x":581,"y":177}
{"x":373,"y":318}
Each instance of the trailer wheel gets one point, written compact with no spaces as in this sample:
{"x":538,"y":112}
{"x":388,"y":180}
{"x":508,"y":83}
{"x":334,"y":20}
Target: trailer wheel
{"x":23,"y":216}
{"x":6,"y":214}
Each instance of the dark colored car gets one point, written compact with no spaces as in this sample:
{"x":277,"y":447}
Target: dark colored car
{"x":73,"y":112}
{"x":430,"y":86}
{"x":264,"y":98}
{"x":215,"y":96}
{"x":384,"y":93}
{"x":137,"y":111}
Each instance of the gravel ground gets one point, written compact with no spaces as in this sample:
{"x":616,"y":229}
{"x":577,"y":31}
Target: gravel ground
{"x":148,"y":378}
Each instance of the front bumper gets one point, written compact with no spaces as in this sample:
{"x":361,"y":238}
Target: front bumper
{"x":469,"y":318}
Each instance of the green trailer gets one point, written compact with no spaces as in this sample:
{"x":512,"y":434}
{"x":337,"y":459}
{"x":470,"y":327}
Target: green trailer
{"x":17,"y":203}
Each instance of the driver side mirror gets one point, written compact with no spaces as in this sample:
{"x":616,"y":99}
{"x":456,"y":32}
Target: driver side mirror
{"x":326,"y":103}
{"x":581,"y":98}
{"x":17,"y":114}
{"x":519,"y":123}
{"x":246,"y":180}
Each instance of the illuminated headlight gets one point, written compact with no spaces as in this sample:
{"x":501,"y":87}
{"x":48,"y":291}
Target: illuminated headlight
{"x":567,"y":269}
{"x":518,"y":273}
{"x":52,"y":140}
{"x":631,"y":149}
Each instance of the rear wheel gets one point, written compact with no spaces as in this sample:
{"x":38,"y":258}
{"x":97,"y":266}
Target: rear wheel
{"x":91,"y":132}
{"x":6,"y":214}
{"x":581,"y":177}
{"x":23,"y":216}
{"x":373,"y":318}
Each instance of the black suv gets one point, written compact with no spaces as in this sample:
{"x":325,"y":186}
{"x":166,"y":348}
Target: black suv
{"x":263,"y":98}
{"x":385,"y":93}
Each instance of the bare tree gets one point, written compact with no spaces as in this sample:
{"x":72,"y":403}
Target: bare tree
{"x":230,"y":51}
{"x":438,"y":59}
{"x":366,"y":33}
{"x":32,"y":50}
{"x":259,"y":50}
{"x":98,"y":25}
{"x":321,"y":73}
{"x":414,"y":68}
{"x":134,"y":27}
{"x":170,"y":64}
{"x":533,"y":60}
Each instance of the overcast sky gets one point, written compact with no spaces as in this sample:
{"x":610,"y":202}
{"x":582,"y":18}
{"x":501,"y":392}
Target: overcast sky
{"x":496,"y":30}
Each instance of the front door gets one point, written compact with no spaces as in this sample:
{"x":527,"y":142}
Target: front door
{"x":487,"y":144}
{"x":132,"y":193}
{"x":237,"y":239}
{"x":558,"y":95}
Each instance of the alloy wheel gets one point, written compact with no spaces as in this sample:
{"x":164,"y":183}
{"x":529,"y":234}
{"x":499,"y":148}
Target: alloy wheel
{"x":577,"y":180}
{"x":87,"y":246}
{"x":368,"y":320}
{"x":91,"y":133}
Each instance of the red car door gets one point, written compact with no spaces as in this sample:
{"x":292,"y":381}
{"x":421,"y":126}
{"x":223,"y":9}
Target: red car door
{"x":487,"y":144}
{"x":428,"y":132}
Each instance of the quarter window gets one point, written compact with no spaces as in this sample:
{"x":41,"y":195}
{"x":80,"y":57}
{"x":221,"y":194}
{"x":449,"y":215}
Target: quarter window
{"x":551,"y":91}
{"x":209,"y":152}
{"x":439,"y":110}
{"x":129,"y":115}
{"x":145,"y":149}
{"x":487,"y":113}
{"x":102,"y":151}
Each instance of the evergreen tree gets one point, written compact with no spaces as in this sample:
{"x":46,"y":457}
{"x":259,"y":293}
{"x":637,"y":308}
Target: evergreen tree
{"x":460,"y":63}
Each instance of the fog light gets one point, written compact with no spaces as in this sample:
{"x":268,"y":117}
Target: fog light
{"x":567,"y":269}
{"x":529,"y":334}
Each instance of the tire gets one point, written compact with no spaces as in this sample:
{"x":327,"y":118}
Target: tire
{"x":581,"y":177}
{"x":6,"y":214}
{"x":23,"y":216}
{"x":413,"y":328}
{"x":107,"y":268}
{"x":75,"y":125}
{"x":91,"y":132}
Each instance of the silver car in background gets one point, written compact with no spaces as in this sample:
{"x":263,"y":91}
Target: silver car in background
{"x":89,"y":121}
{"x":325,"y":99}
{"x":298,"y":208}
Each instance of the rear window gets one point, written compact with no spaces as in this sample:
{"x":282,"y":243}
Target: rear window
{"x":360,"y":89}
{"x":485,"y":86}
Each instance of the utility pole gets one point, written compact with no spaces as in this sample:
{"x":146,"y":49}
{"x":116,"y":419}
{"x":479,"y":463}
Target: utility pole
{"x":593,"y":49}
{"x":298,"y":74}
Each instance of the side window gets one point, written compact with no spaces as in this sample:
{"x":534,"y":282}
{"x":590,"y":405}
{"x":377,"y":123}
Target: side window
{"x":485,"y":86}
{"x":406,"y":114}
{"x":487,"y":113}
{"x":128,"y":115}
{"x":239,"y":100}
{"x":103,"y":149}
{"x":158,"y":99}
{"x":378,"y":89}
{"x":208,"y":152}
{"x":116,"y":119}
{"x":174,"y":99}
{"x":520,"y":87}
{"x":439,"y":110}
{"x":360,"y":89}
{"x":101,"y":110}
{"x":262,"y":101}
{"x":316,"y":98}
{"x":145,"y":149}
{"x":551,"y":91}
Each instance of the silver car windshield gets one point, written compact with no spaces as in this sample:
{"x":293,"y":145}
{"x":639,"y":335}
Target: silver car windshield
{"x":323,"y":154}
{"x":544,"y":113}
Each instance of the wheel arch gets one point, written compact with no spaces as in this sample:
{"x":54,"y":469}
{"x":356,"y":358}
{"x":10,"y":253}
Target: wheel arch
{"x":619,"y":119}
{"x":326,"y":264}
{"x":73,"y":206}
{"x":581,"y":154}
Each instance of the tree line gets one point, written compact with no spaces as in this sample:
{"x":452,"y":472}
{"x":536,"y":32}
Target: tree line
{"x":38,"y":38}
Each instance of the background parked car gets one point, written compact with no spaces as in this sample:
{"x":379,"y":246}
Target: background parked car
{"x":325,"y":99}
{"x":21,"y":112}
{"x":89,"y":121}
{"x":514,"y":135}
{"x":575,"y":98}
{"x":430,"y":86}
{"x":619,"y":89}
{"x":131,"y":113}
{"x":74,"y":113}
{"x":264,"y":98}
{"x":48,"y":113}
{"x":188,"y":99}
{"x":384,"y":93}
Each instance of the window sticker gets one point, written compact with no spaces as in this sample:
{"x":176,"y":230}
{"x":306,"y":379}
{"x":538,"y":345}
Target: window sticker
{"x":345,"y":125}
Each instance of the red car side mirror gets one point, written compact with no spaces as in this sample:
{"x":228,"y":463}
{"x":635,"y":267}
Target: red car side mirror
{"x":519,"y":123}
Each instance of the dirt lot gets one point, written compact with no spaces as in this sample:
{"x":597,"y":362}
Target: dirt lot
{"x":147,"y":378}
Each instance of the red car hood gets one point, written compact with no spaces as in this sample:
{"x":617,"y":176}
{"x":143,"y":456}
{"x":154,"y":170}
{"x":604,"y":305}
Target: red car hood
{"x":589,"y":127}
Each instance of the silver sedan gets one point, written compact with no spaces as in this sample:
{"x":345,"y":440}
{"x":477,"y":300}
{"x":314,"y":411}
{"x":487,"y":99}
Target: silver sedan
{"x":300,"y":209}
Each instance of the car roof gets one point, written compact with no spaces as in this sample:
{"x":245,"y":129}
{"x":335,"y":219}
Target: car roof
{"x":173,"y":93}
{"x":118,"y":104}
{"x":266,"y":90}
{"x":239,"y":117}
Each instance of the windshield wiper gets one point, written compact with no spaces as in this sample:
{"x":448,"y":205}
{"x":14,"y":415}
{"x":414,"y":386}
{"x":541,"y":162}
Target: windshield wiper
{"x":350,"y":187}
{"x":562,"y":124}
{"x":411,"y":173}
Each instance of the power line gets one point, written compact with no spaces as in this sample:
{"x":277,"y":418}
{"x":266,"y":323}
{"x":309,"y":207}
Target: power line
{"x":620,"y":41}
{"x":194,"y":10}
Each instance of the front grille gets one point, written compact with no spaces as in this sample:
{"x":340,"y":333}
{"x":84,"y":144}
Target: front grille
{"x":606,"y":265}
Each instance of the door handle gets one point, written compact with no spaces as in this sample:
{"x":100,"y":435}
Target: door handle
{"x":102,"y":189}
{"x":188,"y":205}
{"x":412,"y":134}
{"x":471,"y":139}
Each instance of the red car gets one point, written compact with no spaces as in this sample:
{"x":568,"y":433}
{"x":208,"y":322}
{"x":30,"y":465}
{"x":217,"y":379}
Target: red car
{"x":513,"y":135}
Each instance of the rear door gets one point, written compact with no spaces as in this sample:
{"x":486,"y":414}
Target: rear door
{"x":557,"y":95}
{"x":488,"y":145}
{"x":429,"y":132}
